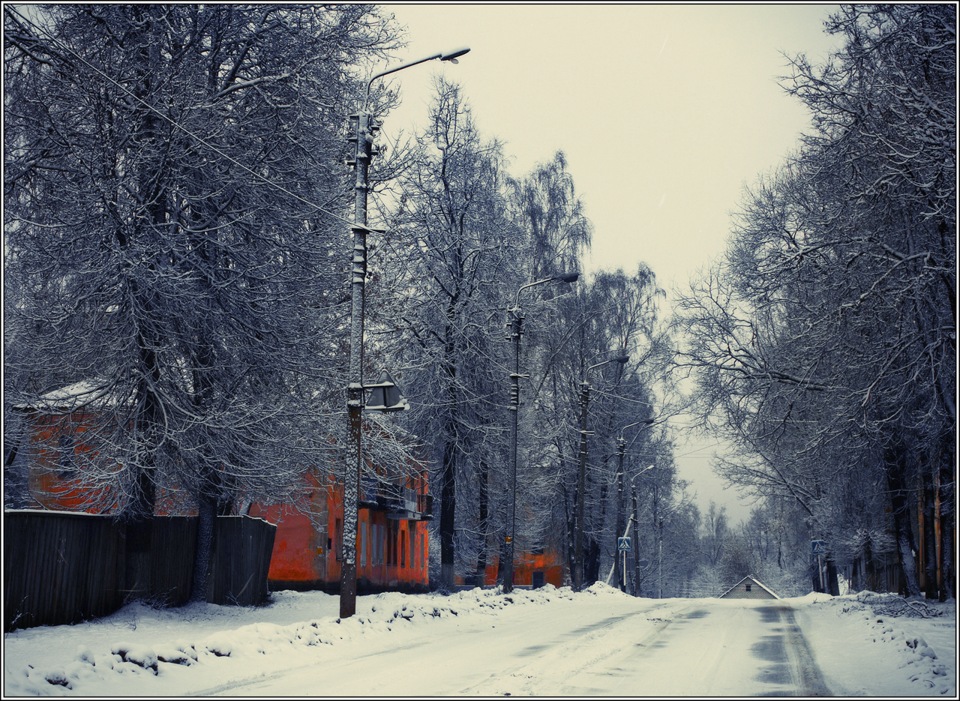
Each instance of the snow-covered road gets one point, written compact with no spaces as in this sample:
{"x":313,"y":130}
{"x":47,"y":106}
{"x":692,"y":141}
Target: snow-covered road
{"x":691,"y":648}
{"x":543,"y":642}
{"x":731,"y":648}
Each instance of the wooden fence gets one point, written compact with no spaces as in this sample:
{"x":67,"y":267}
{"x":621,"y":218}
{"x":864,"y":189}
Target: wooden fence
{"x":62,"y":567}
{"x":59,"y":568}
{"x":241,"y":559}
{"x":158,"y":564}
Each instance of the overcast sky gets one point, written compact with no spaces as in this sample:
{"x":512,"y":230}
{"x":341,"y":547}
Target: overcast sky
{"x":665,"y":113}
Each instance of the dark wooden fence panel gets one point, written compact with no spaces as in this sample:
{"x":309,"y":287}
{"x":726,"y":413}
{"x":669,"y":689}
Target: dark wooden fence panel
{"x":63,"y":567}
{"x":59,"y":568}
{"x":158,"y":560}
{"x":242,"y":550}
{"x":171,"y":559}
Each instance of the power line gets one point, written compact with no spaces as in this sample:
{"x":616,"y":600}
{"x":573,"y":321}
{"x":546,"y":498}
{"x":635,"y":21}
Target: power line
{"x":199,"y":139}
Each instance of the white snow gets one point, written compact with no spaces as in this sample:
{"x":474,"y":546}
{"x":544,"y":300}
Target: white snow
{"x":466,"y":644}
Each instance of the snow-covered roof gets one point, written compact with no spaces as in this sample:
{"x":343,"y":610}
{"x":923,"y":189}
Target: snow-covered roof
{"x":79,"y":395}
{"x":755,"y":581}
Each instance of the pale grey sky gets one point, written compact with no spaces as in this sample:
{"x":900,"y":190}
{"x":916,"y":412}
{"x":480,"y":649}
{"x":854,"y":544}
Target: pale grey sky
{"x":664,"y":112}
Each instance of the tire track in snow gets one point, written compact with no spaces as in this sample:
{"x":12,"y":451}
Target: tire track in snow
{"x":563,"y":660}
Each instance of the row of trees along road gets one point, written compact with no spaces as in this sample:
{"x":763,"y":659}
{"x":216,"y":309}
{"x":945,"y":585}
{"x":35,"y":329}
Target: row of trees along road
{"x":177,"y":218}
{"x":464,"y":238}
{"x":177,"y":235}
{"x":824,"y":342}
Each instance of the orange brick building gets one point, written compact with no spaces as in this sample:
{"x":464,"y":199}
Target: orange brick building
{"x":392,"y":535}
{"x":393,"y":540}
{"x":533,"y":570}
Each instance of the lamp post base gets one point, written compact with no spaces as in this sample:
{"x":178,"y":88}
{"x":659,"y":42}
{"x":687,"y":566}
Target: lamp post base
{"x":348,"y":590}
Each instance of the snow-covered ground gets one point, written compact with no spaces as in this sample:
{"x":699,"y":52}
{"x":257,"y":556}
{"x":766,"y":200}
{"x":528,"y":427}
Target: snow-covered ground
{"x":864,"y":645}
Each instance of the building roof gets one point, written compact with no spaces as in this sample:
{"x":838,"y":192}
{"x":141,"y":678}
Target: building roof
{"x":755,"y":581}
{"x":91,"y":394}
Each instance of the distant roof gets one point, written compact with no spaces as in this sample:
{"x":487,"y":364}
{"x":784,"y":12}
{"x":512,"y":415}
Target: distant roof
{"x":79,"y":395}
{"x":756,"y":581}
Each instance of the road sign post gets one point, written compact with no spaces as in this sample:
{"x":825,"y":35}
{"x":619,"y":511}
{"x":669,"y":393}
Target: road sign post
{"x":623,"y":545}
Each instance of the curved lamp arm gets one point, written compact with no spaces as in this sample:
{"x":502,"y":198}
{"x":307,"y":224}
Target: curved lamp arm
{"x":451,"y":56}
{"x":622,"y":359}
{"x":645,"y":422}
{"x":646,"y":469}
{"x":563,"y":277}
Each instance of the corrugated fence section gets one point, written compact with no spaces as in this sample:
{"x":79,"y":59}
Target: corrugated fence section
{"x":62,"y":567}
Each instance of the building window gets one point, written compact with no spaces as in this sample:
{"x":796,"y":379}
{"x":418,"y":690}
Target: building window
{"x":363,"y":544}
{"x":748,"y":587}
{"x":413,"y":548}
{"x":338,"y":538}
{"x":379,"y":546}
{"x":392,"y":542}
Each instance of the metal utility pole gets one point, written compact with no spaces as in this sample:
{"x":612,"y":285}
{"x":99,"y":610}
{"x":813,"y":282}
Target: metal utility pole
{"x":579,"y":526}
{"x":636,"y":540}
{"x":516,"y":331}
{"x":660,"y":559}
{"x":635,"y":521}
{"x":515,"y":322}
{"x":621,"y":451}
{"x":364,"y":129}
{"x":358,"y":274}
{"x":581,"y":485}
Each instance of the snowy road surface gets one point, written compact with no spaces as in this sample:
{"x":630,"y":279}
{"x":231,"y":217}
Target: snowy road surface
{"x":704,"y":647}
{"x":542,"y":642}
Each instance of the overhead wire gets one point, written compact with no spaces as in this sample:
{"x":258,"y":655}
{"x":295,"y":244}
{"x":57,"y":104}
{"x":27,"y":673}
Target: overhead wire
{"x":199,"y":139}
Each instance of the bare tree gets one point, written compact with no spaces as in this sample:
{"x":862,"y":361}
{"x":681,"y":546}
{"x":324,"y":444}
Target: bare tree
{"x":171,"y":197}
{"x":457,"y":248}
{"x":825,"y":341}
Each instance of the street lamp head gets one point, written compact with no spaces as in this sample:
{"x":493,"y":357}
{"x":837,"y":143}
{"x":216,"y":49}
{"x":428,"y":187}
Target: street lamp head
{"x":452,"y":56}
{"x":621,"y":359}
{"x":562,"y":277}
{"x":645,"y":422}
{"x":642,"y":472}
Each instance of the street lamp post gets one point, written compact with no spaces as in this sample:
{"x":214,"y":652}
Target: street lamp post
{"x":582,"y":472}
{"x":516,"y":331}
{"x":660,"y":558}
{"x":621,"y":451}
{"x":636,"y":529}
{"x":351,"y":483}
